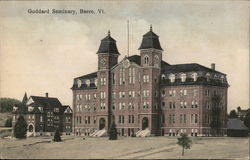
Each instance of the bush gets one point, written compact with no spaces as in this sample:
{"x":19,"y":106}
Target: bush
{"x":57,"y":136}
{"x":20,"y":129}
{"x":8,"y":122}
{"x":113,"y":131}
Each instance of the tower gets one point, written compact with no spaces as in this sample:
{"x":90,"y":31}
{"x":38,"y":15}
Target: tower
{"x":151,"y":57}
{"x":107,"y":58}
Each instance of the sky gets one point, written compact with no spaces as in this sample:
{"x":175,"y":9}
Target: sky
{"x":42,"y":53}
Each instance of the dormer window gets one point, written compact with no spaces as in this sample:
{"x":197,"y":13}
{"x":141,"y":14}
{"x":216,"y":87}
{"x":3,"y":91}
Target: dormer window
{"x":41,"y":109}
{"x":96,"y":82}
{"x":222,"y":79}
{"x":79,"y":83}
{"x":87,"y":82}
{"x":146,"y":60}
{"x":163,"y":77}
{"x":30,"y":108}
{"x":183,"y":77}
{"x":208,"y":77}
{"x":172,"y":78}
{"x":215,"y":76}
{"x":194,"y":76}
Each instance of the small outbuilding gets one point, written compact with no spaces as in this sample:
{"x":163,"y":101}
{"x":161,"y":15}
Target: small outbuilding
{"x":236,"y":128}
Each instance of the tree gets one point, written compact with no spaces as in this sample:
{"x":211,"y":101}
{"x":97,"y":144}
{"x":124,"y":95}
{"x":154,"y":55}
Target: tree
{"x":8,"y":122}
{"x":232,"y":114}
{"x":6,"y":104}
{"x":20,"y":129}
{"x":113,"y":131}
{"x":185,"y":142}
{"x":57,"y":136}
{"x":246,"y":119}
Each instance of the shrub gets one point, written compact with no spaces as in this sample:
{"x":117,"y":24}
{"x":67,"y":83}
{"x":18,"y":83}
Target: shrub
{"x":20,"y":129}
{"x":57,"y":136}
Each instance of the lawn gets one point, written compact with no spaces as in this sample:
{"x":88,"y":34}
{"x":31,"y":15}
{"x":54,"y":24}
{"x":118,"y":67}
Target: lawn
{"x":125,"y":148}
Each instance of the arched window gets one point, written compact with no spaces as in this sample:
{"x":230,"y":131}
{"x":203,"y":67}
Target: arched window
{"x":146,"y":60}
{"x":172,"y":78}
{"x":163,"y":77}
{"x":183,"y":77}
{"x":87,"y":82}
{"x":194,"y":76}
{"x":222,"y":79}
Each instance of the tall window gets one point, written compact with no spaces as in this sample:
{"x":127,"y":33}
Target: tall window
{"x":133,"y":75}
{"x":122,"y":76}
{"x":130,"y":75}
{"x":146,"y":60}
{"x":113,"y":78}
{"x":156,"y":61}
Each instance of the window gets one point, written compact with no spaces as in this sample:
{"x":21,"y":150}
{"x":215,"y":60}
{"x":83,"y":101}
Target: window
{"x":94,"y":95}
{"x":145,"y":78}
{"x":146,"y":61}
{"x":130,"y":75}
{"x":184,"y":118}
{"x":156,"y":61}
{"x":113,"y":78}
{"x":183,"y":77}
{"x":133,"y":94}
{"x":184,"y":92}
{"x":172,"y":78}
{"x":163,"y":77}
{"x":87,"y":82}
{"x":196,"y":118}
{"x":194,"y":76}
{"x":208,"y":77}
{"x":162,"y":118}
{"x":207,"y":92}
{"x":122,"y":76}
{"x":145,"y":105}
{"x":222,"y":78}
{"x":163,"y":104}
{"x":195,"y":92}
{"x":131,"y":119}
{"x":163,"y":93}
{"x":113,"y":94}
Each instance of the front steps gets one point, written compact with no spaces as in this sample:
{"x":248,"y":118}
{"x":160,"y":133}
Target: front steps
{"x":143,"y":133}
{"x":99,"y":133}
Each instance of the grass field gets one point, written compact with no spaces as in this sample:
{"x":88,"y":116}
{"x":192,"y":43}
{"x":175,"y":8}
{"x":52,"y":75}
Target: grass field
{"x":125,"y":148}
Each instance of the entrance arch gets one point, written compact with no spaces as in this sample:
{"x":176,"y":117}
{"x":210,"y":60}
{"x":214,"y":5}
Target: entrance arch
{"x":31,"y":128}
{"x":144,"y":123}
{"x":101,"y":123}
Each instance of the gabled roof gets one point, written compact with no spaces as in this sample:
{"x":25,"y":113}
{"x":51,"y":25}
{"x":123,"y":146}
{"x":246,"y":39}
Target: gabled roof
{"x":47,"y":102}
{"x":108,"y":45}
{"x":150,"y":40}
{"x":236,"y":124}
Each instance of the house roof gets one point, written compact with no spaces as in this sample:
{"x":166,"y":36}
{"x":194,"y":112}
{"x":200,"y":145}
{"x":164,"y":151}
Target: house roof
{"x":190,"y":67}
{"x":108,"y":45}
{"x":150,"y":40}
{"x":236,"y":124}
{"x":137,"y":59}
{"x":47,"y":102}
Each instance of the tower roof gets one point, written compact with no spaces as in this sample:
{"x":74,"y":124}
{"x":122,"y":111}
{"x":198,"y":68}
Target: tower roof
{"x":150,"y":40}
{"x":108,"y":45}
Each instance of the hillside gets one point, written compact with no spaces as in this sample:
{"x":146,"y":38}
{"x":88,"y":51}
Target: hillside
{"x":4,"y":117}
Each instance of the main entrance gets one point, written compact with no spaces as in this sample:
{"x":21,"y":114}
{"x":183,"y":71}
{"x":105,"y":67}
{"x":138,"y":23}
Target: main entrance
{"x":31,"y":128}
{"x":144,"y":123}
{"x":101,"y":123}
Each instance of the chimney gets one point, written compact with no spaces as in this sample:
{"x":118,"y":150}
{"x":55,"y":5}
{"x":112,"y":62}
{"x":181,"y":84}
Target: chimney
{"x":213,"y":66}
{"x":47,"y":94}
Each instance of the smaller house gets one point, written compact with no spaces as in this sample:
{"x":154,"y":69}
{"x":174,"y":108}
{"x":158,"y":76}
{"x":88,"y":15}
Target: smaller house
{"x":236,"y":128}
{"x":44,"y":115}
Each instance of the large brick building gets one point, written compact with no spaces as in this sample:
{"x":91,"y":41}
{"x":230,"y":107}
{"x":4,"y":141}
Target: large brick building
{"x":145,"y":95}
{"x":43,"y":115}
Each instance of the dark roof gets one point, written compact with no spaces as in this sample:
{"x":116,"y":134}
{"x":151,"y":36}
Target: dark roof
{"x":191,"y":67}
{"x":63,"y":108}
{"x":88,"y":76}
{"x":47,"y":102}
{"x":137,"y":59}
{"x":108,"y":45}
{"x":150,"y":40}
{"x":236,"y":124}
{"x":25,"y":98}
